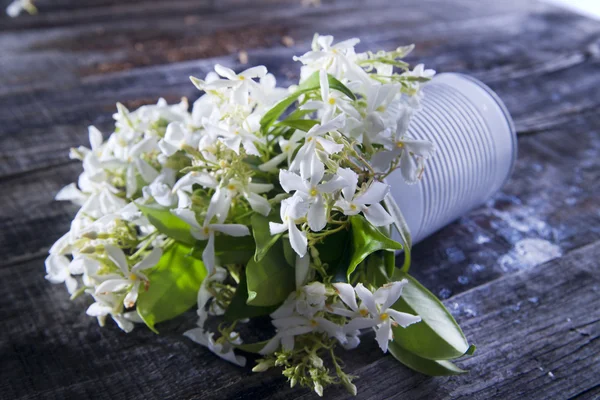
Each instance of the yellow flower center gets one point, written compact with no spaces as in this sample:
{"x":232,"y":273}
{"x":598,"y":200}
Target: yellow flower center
{"x":313,"y":323}
{"x":236,"y":132}
{"x":331,"y":101}
{"x":380,"y":109}
{"x":309,"y":139}
{"x":242,"y":77}
{"x":384,"y":316}
{"x":399,"y":145}
{"x":231,"y":187}
{"x":133,"y":277}
{"x":364,"y":312}
{"x":353,"y":207}
{"x":314,"y":192}
{"x":206,"y":230}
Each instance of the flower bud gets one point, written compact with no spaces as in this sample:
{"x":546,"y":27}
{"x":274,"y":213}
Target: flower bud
{"x":263,"y":365}
{"x":88,"y":250}
{"x":319,"y":389}
{"x":90,"y":235}
{"x":350,"y":387}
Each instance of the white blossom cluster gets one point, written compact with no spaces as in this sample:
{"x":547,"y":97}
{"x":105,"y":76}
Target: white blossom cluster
{"x":215,"y":166}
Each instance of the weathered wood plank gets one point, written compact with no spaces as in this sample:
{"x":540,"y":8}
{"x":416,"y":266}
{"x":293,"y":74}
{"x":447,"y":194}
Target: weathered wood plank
{"x":527,"y":325}
{"x":55,"y":118}
{"x":64,"y":55}
{"x":538,"y":337}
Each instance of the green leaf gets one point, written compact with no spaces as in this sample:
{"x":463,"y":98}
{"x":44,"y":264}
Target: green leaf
{"x":339,"y":86}
{"x":239,"y":309}
{"x":367,"y":239}
{"x":289,"y":253}
{"x":271,"y":280}
{"x":422,"y":365}
{"x":252,"y":347}
{"x":437,"y":336}
{"x":228,"y":249}
{"x":262,"y":235}
{"x":301,"y":124}
{"x":310,"y":84}
{"x":174,"y":284}
{"x":401,"y":227}
{"x":375,"y":269}
{"x":167,"y":223}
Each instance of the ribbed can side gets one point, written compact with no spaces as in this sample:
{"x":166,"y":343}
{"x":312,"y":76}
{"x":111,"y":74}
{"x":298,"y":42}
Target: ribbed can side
{"x":476,"y":147}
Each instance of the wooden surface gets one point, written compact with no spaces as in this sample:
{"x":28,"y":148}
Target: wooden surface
{"x":520,"y":274}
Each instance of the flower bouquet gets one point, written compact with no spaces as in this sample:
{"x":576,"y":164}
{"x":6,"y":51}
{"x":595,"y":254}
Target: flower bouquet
{"x":264,"y":202}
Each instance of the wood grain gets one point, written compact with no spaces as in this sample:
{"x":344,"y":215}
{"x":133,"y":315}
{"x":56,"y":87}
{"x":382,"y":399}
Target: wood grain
{"x":519,"y":273}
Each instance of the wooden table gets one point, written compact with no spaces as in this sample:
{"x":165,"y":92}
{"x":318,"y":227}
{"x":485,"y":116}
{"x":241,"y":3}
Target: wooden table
{"x":520,"y":274}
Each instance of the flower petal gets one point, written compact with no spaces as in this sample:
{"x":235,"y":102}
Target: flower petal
{"x":383,"y":335}
{"x":290,"y":181}
{"x":112,"y":285}
{"x":298,"y":239}
{"x":377,"y":215}
{"x":403,"y":319}
{"x":366,"y":297}
{"x":231,"y":229}
{"x":317,"y":215}
{"x":116,"y":255}
{"x":149,"y":261}
{"x":374,"y":194}
{"x":346,"y":293}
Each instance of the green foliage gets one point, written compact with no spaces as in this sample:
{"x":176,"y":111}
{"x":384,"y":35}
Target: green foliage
{"x":312,"y":83}
{"x":437,"y":336}
{"x":423,"y":365}
{"x":167,"y":223}
{"x":252,"y":347}
{"x":262,"y":234}
{"x":367,"y":239}
{"x":402,"y":228}
{"x":301,"y":124}
{"x":239,"y":309}
{"x":228,"y":249}
{"x":270,"y":280}
{"x":174,"y":284}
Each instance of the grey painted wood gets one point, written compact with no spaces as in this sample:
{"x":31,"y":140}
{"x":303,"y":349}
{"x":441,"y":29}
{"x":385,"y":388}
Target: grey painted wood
{"x":512,"y":271}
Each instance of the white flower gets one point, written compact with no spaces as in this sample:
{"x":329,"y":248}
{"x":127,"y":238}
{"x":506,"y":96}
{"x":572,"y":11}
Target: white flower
{"x":311,"y":190}
{"x":204,"y":295}
{"x":367,"y":202}
{"x":222,"y":348}
{"x":412,"y":152}
{"x":160,"y":188}
{"x":251,"y":192}
{"x":381,"y":112}
{"x":131,"y":278}
{"x":176,"y":138}
{"x":288,"y":147}
{"x":57,"y":271}
{"x":207,"y":232}
{"x":330,"y":101}
{"x":241,"y":83}
{"x":375,"y":310}
{"x":315,"y":141}
{"x":14,"y":9}
{"x":335,"y":59}
{"x":290,"y":327}
{"x":292,"y":209}
{"x":108,"y":304}
{"x":419,"y":71}
{"x":236,"y":135}
{"x":305,"y":301}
